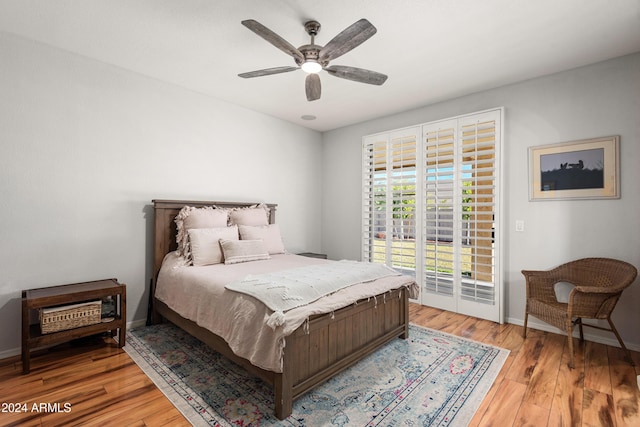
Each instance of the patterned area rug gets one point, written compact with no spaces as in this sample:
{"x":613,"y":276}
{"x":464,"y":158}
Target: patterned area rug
{"x":430,"y":379}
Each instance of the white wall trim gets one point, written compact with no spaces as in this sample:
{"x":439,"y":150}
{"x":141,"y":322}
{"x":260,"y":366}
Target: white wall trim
{"x":541,"y":326}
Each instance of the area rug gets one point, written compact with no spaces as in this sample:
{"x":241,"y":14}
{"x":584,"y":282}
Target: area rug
{"x":430,"y":379}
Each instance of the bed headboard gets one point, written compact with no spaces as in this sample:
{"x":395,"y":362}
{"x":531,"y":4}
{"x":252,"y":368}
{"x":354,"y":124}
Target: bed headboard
{"x":164,"y":231}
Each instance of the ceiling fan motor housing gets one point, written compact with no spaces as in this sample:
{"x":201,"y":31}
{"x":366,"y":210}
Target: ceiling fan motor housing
{"x":311,"y":52}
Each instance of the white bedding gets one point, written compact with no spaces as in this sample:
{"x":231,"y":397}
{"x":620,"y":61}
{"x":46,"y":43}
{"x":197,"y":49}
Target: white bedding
{"x":198,"y":293}
{"x":294,"y":287}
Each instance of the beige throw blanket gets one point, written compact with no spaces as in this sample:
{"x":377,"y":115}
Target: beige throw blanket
{"x":287,"y":289}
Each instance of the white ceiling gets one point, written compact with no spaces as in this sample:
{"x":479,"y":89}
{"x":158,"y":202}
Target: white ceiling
{"x":431,"y":50}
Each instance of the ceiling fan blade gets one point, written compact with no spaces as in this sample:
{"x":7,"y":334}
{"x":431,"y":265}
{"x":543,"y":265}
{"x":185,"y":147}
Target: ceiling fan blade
{"x":312,"y":87}
{"x":267,"y":72}
{"x":352,"y":36}
{"x":357,"y":74}
{"x":273,"y":38}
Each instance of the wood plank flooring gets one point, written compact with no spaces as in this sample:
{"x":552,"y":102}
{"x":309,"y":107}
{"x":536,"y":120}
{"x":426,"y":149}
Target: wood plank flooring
{"x":104,"y":387}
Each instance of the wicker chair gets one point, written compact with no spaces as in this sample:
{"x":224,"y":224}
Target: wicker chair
{"x":599,"y":282}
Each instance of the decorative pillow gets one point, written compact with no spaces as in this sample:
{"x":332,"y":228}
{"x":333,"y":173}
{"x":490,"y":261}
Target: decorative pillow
{"x":190,"y":217}
{"x":269,"y":234}
{"x":562,"y":290}
{"x":252,"y":215}
{"x":205,"y":243}
{"x":235,"y":251}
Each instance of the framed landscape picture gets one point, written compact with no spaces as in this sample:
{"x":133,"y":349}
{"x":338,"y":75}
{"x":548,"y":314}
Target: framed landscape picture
{"x":586,"y":169}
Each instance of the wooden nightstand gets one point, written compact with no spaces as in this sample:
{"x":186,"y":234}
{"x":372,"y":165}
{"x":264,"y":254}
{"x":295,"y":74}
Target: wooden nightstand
{"x":35,"y":299}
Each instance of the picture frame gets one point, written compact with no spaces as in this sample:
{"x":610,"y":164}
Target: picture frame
{"x":583,"y":169}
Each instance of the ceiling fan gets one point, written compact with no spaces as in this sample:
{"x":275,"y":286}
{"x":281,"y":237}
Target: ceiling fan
{"x":313,"y":58}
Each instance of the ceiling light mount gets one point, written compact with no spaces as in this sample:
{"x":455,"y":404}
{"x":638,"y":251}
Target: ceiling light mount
{"x":312,"y":27}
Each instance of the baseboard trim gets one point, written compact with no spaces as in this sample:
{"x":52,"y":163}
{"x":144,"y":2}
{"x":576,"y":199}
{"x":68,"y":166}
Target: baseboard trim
{"x":533,"y":323}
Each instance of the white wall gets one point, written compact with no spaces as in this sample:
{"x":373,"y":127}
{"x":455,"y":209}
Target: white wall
{"x":598,"y":100}
{"x":85,"y":147}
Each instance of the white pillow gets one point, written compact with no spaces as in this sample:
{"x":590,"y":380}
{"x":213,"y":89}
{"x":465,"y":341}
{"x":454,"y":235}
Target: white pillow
{"x":269,"y":234}
{"x":236,"y":251}
{"x":253,"y":215}
{"x":190,"y":217}
{"x":205,"y":243}
{"x":562,"y":290}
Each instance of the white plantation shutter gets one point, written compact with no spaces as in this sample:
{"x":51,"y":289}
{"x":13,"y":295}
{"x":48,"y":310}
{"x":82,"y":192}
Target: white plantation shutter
{"x":402,"y":190}
{"x":477,"y":183}
{"x":389,"y":199}
{"x":439,"y":197}
{"x":374,"y":220}
{"x":431,"y":209}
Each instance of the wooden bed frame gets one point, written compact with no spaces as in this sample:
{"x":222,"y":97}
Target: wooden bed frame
{"x":331,"y":343}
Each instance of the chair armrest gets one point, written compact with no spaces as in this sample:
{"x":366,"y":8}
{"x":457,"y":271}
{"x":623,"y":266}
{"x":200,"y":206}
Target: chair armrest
{"x":599,"y":290}
{"x":539,"y":284}
{"x":537,"y":276}
{"x":547,"y":278}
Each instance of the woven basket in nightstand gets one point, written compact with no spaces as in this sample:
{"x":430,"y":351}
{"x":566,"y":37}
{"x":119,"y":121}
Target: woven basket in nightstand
{"x":56,"y":319}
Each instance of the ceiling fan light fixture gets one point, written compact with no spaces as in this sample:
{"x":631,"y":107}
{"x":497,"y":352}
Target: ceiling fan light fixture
{"x":312,"y":58}
{"x":310,"y":66}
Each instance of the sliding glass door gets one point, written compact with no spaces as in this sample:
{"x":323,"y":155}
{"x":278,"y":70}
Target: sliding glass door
{"x":431,"y":209}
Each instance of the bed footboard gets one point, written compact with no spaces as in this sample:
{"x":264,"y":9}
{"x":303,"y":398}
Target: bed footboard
{"x":332,"y":342}
{"x":320,"y":348}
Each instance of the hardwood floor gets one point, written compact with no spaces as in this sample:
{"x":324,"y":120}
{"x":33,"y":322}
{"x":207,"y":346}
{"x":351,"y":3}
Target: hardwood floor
{"x":536,"y":386}
{"x":103,"y":386}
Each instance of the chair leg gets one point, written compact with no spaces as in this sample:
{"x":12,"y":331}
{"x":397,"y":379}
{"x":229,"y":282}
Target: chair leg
{"x":570,"y":341}
{"x":524,"y":331}
{"x":615,"y":331}
{"x":579,"y":323}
